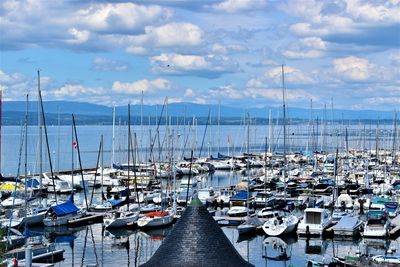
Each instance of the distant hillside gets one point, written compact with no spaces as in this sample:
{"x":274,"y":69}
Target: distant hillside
{"x":86,"y":113}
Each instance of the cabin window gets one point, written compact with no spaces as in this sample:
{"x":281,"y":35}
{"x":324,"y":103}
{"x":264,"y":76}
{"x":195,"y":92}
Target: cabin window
{"x":313,"y":218}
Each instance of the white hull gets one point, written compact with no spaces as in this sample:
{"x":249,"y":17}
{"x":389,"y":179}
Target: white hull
{"x":155,"y":222}
{"x":274,"y":227}
{"x":9,"y":203}
{"x":121,"y":222}
{"x":63,"y":220}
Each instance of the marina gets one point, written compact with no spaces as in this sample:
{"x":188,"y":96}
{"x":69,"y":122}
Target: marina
{"x":220,"y":133}
{"x":231,"y":196}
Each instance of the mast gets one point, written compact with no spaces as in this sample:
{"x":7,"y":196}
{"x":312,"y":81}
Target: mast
{"x":1,"y":121}
{"x":40,"y":135}
{"x":72,"y":155}
{"x":248,"y":162}
{"x":219,"y":123}
{"x":141,"y":124}
{"x":129,"y":149}
{"x":284,"y":130}
{"x":26,"y":153}
{"x":270,"y":123}
{"x":113,"y":140}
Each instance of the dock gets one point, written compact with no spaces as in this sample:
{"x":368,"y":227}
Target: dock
{"x":86,"y":220}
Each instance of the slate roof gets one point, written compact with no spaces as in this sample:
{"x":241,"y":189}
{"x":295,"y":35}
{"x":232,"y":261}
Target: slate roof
{"x":196,"y":240}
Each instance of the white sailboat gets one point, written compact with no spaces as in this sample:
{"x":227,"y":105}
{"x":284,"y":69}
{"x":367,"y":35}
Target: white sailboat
{"x":280,"y":225}
{"x":155,"y":219}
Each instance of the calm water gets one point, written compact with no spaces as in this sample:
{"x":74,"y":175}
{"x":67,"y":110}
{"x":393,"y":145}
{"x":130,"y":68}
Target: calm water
{"x":181,"y":140}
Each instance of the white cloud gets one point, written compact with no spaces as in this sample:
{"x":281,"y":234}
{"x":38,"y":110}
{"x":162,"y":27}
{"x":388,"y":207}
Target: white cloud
{"x":373,"y":11}
{"x":78,"y":37}
{"x":209,"y":65}
{"x":227,"y":91}
{"x":232,"y":6}
{"x":73,"y":90}
{"x":105,"y":64}
{"x":188,"y":92}
{"x":120,"y":17}
{"x":219,"y":48}
{"x":294,"y":95}
{"x":168,"y":35}
{"x":292,"y":75}
{"x":303,"y":54}
{"x":354,"y":68}
{"x":140,"y":86}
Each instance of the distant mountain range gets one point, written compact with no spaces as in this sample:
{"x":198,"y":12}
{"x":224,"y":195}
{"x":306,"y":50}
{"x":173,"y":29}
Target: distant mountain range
{"x":87,"y":113}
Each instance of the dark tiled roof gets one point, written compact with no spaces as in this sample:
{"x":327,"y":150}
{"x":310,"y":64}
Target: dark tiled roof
{"x":196,"y":240}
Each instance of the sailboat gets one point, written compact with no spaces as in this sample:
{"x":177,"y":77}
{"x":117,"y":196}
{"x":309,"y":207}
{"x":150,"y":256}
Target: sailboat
{"x":252,"y":222}
{"x":60,"y":214}
{"x":122,"y":218}
{"x":280,"y":225}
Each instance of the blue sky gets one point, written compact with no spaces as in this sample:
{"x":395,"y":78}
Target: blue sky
{"x":204,"y":51}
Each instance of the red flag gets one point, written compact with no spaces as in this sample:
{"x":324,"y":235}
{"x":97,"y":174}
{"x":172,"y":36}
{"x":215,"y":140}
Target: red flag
{"x":74,"y":144}
{"x":229,"y":140}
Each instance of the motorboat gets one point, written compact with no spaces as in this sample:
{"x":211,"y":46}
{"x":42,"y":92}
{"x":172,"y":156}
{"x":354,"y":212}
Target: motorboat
{"x":377,"y":225}
{"x":314,"y":222}
{"x":348,"y":226}
{"x":267,"y":213}
{"x":12,"y":202}
{"x":280,"y":225}
{"x":155,"y":219}
{"x":238,"y":211}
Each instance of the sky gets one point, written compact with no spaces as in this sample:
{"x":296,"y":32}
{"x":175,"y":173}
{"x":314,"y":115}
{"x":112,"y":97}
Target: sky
{"x":203,"y":51}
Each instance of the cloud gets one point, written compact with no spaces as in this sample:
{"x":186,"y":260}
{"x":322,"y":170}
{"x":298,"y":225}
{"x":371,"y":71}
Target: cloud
{"x":293,"y":95}
{"x":292,"y":75}
{"x":188,"y":92}
{"x":353,"y":68}
{"x":141,"y":86}
{"x":359,"y":22}
{"x":73,"y":90}
{"x":104,"y":64}
{"x":227,"y":91}
{"x":233,"y":6}
{"x":211,"y":66}
{"x":171,"y":35}
{"x":120,"y":17}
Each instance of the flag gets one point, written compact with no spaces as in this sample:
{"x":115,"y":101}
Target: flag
{"x":74,"y":144}
{"x":229,"y":140}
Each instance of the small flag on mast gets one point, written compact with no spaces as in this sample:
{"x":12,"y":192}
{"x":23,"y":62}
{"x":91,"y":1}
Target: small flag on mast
{"x":74,"y":144}
{"x":229,"y":140}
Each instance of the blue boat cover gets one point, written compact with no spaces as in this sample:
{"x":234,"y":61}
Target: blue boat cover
{"x":346,"y":222}
{"x":32,"y":183}
{"x":115,"y":202}
{"x":64,"y":208}
{"x":242,"y":195}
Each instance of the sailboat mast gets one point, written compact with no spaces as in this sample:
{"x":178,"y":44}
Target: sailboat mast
{"x":113,"y":140}
{"x":1,"y":121}
{"x":26,"y":152}
{"x":284,"y":130}
{"x":248,"y":162}
{"x":129,"y":149}
{"x":40,"y":135}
